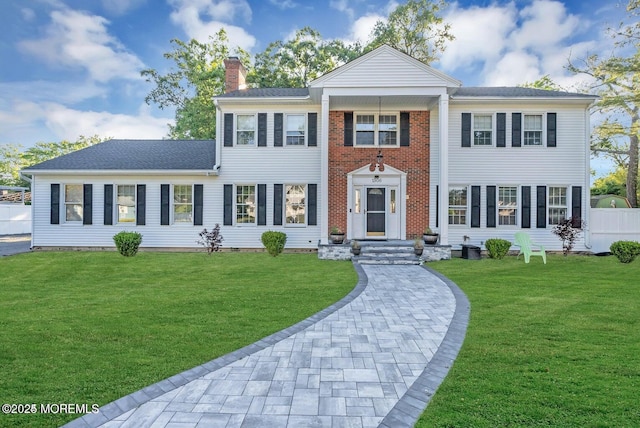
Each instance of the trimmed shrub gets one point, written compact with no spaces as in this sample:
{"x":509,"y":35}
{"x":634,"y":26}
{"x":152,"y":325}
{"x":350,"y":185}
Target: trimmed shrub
{"x":127,"y":243}
{"x":274,"y":241}
{"x":497,"y":248}
{"x":625,"y":251}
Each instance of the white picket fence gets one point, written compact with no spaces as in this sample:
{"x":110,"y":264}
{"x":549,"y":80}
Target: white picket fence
{"x":608,"y":225}
{"x":15,"y":219}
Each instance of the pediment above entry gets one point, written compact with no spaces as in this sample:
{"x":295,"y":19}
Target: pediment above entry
{"x":371,"y":174}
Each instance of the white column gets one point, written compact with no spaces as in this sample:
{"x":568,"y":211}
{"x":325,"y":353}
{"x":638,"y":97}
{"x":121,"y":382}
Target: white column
{"x":443,"y":167}
{"x":324,"y":171}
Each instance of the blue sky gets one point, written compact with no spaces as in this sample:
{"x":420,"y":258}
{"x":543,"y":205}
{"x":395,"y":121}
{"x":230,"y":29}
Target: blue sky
{"x":72,"y":67}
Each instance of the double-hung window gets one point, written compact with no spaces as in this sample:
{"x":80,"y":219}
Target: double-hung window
{"x":532,"y":130}
{"x":376,"y":130}
{"x":296,"y":125}
{"x":126,"y":203}
{"x":245,"y":129}
{"x":73,"y":202}
{"x":457,"y":205}
{"x":295,"y":204}
{"x":182,"y":203}
{"x":245,"y":204}
{"x":482,"y":129}
{"x":388,"y":130}
{"x":507,"y":206}
{"x":557,"y":204}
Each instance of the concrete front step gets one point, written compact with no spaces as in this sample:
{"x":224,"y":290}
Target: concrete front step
{"x":387,"y":253}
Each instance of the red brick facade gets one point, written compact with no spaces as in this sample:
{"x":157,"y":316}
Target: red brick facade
{"x":414,"y":160}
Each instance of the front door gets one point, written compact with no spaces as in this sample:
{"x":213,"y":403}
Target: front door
{"x":375,"y":212}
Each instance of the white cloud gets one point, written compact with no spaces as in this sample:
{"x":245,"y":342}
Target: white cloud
{"x":283,"y":4}
{"x":200,"y":19}
{"x":77,"y":39}
{"x":514,"y":68}
{"x":27,"y":14}
{"x":68,"y":92}
{"x":362,"y":27}
{"x":119,"y":7}
{"x":342,"y":6}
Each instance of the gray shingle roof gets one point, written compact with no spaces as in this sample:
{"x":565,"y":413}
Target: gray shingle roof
{"x":137,"y":155}
{"x":508,"y":92}
{"x":267,"y":92}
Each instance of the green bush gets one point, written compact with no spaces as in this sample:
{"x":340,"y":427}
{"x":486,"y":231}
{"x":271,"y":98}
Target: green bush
{"x":127,"y":243}
{"x":625,"y":251}
{"x":274,"y":241}
{"x":497,"y":248}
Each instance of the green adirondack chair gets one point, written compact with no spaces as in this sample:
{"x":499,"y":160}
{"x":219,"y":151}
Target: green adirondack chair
{"x":524,"y":242}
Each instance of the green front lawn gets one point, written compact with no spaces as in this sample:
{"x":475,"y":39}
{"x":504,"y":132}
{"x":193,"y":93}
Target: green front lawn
{"x":554,"y":345}
{"x":90,"y":327}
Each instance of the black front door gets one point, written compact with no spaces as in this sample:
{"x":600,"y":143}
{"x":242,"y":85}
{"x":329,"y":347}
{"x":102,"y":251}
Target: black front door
{"x":375,"y":211}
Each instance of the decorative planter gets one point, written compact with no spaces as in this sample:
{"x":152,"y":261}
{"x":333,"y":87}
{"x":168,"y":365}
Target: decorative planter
{"x":336,"y":238}
{"x":418,"y":251}
{"x":355,"y":251}
{"x":431,"y":239}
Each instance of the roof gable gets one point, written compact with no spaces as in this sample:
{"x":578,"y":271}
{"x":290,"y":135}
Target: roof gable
{"x":385,"y":67}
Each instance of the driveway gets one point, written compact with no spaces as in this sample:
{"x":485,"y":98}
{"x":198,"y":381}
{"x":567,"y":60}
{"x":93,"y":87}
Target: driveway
{"x":14,"y":244}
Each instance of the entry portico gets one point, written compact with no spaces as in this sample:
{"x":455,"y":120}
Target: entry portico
{"x":383,"y":92}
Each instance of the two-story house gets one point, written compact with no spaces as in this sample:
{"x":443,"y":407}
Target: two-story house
{"x":381,"y":147}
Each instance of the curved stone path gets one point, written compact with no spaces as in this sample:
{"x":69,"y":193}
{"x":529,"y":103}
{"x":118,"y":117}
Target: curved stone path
{"x":373,"y":359}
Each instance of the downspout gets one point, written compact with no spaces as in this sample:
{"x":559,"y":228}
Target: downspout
{"x":587,"y":213}
{"x":30,"y":180}
{"x":216,"y":167}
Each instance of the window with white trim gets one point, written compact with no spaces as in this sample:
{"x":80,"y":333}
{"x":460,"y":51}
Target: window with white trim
{"x":245,"y":129}
{"x":482,"y":129}
{"x":532,"y":130}
{"x":73,"y":202}
{"x":457,"y":205}
{"x":557,"y":205}
{"x":295,"y":204}
{"x":507,"y":206}
{"x":246,"y":204}
{"x":296,"y":125}
{"x":126,"y":203}
{"x":376,"y":130}
{"x":182,"y":203}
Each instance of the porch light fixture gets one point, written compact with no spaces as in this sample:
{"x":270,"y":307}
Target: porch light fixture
{"x":379,"y":157}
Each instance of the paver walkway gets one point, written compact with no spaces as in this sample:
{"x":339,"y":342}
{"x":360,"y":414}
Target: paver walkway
{"x":374,"y":359}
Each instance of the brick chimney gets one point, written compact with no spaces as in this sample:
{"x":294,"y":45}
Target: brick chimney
{"x":234,"y":74}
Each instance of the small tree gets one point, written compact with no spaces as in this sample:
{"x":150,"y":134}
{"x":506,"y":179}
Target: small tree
{"x":211,"y":240}
{"x":568,"y":231}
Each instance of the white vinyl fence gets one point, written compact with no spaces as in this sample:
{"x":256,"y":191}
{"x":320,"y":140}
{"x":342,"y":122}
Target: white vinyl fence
{"x":15,"y":219}
{"x":609,"y":225}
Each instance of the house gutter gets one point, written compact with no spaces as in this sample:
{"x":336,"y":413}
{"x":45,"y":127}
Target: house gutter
{"x":183,"y":172}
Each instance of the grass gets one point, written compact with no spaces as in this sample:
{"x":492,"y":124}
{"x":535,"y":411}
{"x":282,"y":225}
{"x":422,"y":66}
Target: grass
{"x":90,"y":327}
{"x":554,"y":345}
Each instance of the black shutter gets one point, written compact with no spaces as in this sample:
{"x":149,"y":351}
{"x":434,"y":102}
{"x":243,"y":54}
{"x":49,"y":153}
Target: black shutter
{"x":198,"y":204}
{"x":405,"y":129}
{"x":551,"y":129}
{"x":87,"y":208}
{"x":475,"y":206}
{"x":526,"y":207}
{"x":576,"y":205}
{"x":277,"y":204}
{"x":228,"y":205}
{"x":437,"y":206}
{"x":277,"y":129}
{"x":516,"y":129}
{"x":491,"y":206}
{"x":541,"y":207}
{"x":312,"y":205}
{"x":501,"y":130}
{"x":348,"y":129}
{"x":312,"y":127}
{"x":466,"y":129}
{"x":55,"y":204}
{"x":262,"y":129}
{"x":228,"y":130}
{"x":262,"y":204}
{"x":108,"y":204}
{"x":164,"y":204}
{"x":141,"y":205}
